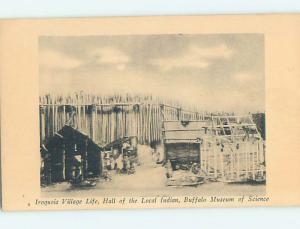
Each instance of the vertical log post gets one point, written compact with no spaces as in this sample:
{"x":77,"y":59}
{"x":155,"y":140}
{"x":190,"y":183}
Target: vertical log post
{"x":63,"y":161}
{"x":246,"y":159}
{"x":222,"y":169}
{"x":253,"y":161}
{"x":215,"y":161}
{"x":41,"y":125}
{"x":84,"y":159}
{"x":93,"y":123}
{"x":232,"y":162}
{"x":149,"y":123}
{"x":68,"y":161}
{"x":238,"y":155}
{"x":178,"y":113}
{"x":116,"y":111}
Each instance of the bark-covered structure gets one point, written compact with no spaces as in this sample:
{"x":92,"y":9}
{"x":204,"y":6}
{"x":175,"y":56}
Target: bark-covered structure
{"x":67,"y":149}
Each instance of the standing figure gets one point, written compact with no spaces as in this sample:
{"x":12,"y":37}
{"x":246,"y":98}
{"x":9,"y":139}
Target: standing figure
{"x":76,"y":173}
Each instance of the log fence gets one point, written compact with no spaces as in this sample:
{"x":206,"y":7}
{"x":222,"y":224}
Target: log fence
{"x":105,"y":119}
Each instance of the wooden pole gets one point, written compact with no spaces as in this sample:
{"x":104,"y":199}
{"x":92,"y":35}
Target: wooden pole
{"x":116,"y":124}
{"x":41,"y":125}
{"x":64,"y":161}
{"x":178,"y":113}
{"x":64,"y":115}
{"x":93,"y":124}
{"x":238,"y":155}
{"x":84,"y":159}
{"x":246,"y":159}
{"x":215,"y":161}
{"x":222,"y":170}
{"x":53,"y":119}
{"x":253,"y":161}
{"x":149,"y":123}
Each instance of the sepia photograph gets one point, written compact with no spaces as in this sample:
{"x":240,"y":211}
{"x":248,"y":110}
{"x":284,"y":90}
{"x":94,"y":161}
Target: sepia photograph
{"x":192,"y":118}
{"x":152,"y":115}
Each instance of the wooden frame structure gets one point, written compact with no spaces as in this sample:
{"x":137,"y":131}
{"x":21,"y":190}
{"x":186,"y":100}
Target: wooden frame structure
{"x":231,"y":148}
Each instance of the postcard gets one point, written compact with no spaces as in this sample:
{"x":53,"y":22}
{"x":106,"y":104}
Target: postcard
{"x":150,"y":112}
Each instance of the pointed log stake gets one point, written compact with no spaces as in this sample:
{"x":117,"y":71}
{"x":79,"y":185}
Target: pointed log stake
{"x":93,"y":124}
{"x":149,"y":123}
{"x":116,"y":125}
{"x":52,"y":119}
{"x":41,"y":125}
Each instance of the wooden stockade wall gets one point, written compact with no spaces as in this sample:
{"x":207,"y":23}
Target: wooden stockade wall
{"x":105,"y":119}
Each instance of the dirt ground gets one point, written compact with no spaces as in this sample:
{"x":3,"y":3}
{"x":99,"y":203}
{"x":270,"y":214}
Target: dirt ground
{"x":149,"y":179}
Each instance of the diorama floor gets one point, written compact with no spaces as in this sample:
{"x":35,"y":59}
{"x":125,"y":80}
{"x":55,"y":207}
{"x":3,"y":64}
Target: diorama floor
{"x":149,"y":180}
